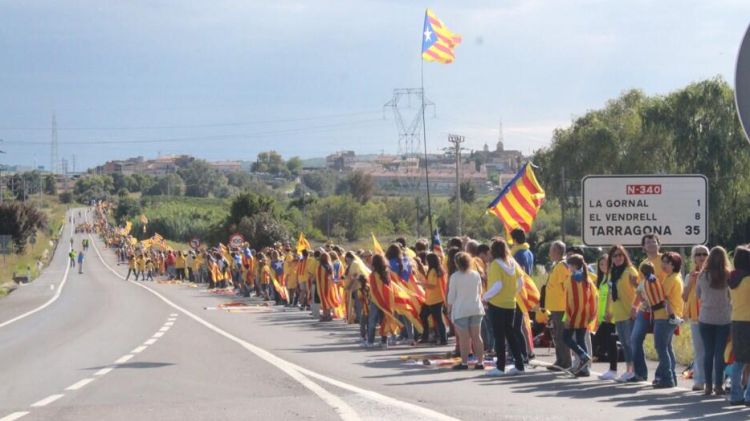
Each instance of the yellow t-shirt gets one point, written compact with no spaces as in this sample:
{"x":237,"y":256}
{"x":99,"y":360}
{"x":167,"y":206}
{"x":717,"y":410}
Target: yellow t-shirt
{"x":692,"y":306}
{"x":140,"y":263}
{"x":290,"y":272}
{"x":432,"y":289}
{"x":673,"y":292}
{"x":625,"y":296}
{"x":660,"y":275}
{"x":741,"y":301}
{"x":506,"y":298}
{"x":555,"y":292}
{"x":179,"y":262}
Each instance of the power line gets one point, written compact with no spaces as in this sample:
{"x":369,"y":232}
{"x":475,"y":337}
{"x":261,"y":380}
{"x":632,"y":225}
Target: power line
{"x":320,"y":128}
{"x":204,"y":125}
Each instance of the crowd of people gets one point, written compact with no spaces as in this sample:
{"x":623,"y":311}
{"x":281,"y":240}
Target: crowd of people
{"x":484,"y":295}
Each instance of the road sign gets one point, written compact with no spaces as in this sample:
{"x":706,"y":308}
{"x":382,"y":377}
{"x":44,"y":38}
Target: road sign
{"x":742,"y":83}
{"x":236,"y":240}
{"x":195,"y":243}
{"x":621,"y":209}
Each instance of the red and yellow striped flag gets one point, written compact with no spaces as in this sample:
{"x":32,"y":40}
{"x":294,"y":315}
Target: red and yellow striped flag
{"x":519,"y":201}
{"x":437,"y":41}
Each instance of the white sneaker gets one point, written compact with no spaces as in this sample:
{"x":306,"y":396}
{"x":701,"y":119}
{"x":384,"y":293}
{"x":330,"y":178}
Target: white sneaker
{"x":625,"y":377}
{"x":513,"y":371}
{"x":495,"y":372}
{"x":609,"y":375}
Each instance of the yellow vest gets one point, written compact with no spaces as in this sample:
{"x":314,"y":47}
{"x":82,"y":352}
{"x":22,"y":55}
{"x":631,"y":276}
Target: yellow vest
{"x":741,"y":301}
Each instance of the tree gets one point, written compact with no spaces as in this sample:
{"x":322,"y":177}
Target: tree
{"x":21,"y":222}
{"x":271,"y":162}
{"x":694,"y":130}
{"x":248,"y":204}
{"x":294,"y":165}
{"x":321,"y":182}
{"x":167,"y":185}
{"x":93,"y":187}
{"x":50,"y":184}
{"x":262,"y":230}
{"x":127,"y":208}
{"x":201,"y":180}
{"x":468,"y":193}
{"x":358,"y":184}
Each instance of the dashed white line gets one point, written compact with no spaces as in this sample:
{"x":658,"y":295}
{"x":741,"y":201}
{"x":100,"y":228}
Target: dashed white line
{"x":158,"y":334}
{"x":80,"y":384}
{"x":150,"y":341}
{"x":46,"y":401}
{"x":169,"y":324}
{"x":104,"y":371}
{"x":294,"y":371}
{"x":14,"y":416}
{"x":139,"y":349}
{"x":173,"y":315}
{"x":124,"y":359}
{"x":165,"y":328}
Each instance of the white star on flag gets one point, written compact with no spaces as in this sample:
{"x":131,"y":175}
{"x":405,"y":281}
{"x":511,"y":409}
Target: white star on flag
{"x":427,"y":35}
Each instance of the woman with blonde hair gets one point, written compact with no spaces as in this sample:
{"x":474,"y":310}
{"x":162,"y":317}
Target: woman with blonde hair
{"x":698,"y":257}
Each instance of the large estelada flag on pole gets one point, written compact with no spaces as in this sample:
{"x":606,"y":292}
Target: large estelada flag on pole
{"x":437,"y":41}
{"x":519,"y":201}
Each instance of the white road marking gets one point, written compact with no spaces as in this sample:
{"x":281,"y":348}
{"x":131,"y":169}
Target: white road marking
{"x":52,"y":287}
{"x":124,"y":359}
{"x":150,"y":341}
{"x":164,"y":328}
{"x":104,"y":371}
{"x":158,"y":335}
{"x":171,"y":315}
{"x":80,"y":384}
{"x":46,"y":401}
{"x":169,"y":324}
{"x":139,"y":349}
{"x":14,"y":416}
{"x":294,"y":371}
{"x":45,"y":305}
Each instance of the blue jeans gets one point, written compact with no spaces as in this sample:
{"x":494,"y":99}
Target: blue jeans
{"x":715,"y":342}
{"x":577,"y":345}
{"x":624,"y":330}
{"x":375,"y":317}
{"x":637,"y":336}
{"x":736,"y":394}
{"x":665,"y":371}
{"x":699,"y":352}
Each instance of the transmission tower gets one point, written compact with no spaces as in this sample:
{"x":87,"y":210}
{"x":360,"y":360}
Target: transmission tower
{"x":54,"y":169}
{"x":406,"y":106}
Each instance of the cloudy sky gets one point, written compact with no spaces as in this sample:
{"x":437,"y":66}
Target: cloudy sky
{"x":226,"y":79}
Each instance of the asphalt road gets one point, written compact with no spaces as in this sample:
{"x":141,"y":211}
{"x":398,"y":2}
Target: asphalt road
{"x":106,"y":348}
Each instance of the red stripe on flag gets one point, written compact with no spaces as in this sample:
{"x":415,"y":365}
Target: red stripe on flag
{"x":442,"y":48}
{"x":435,"y":22}
{"x":524,"y":202}
{"x":505,"y":202}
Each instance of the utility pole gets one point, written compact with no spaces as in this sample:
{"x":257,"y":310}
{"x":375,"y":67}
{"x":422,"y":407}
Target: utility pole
{"x":457,"y":140}
{"x":563,"y":203}
{"x":2,"y":182}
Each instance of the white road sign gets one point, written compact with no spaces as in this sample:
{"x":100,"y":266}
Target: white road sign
{"x":621,"y":209}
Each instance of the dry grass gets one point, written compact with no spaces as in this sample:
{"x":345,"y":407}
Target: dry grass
{"x":42,"y":250}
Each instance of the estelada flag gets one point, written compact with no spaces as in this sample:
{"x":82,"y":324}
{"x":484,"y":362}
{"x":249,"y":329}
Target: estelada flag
{"x":438,"y":41}
{"x":382,"y":296}
{"x":528,"y":296}
{"x":519,"y":201}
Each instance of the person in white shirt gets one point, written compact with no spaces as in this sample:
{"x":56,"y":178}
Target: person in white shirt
{"x":466,"y":310}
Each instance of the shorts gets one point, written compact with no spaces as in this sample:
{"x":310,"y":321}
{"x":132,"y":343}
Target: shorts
{"x":466,"y":322}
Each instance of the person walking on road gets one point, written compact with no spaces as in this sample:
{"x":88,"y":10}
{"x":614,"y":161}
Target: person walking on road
{"x":72,"y":256}
{"x":80,"y":261}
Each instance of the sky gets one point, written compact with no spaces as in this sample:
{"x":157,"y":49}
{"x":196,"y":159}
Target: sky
{"x":224,"y":80}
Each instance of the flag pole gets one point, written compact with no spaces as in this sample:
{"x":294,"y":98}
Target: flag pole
{"x":424,"y":137}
